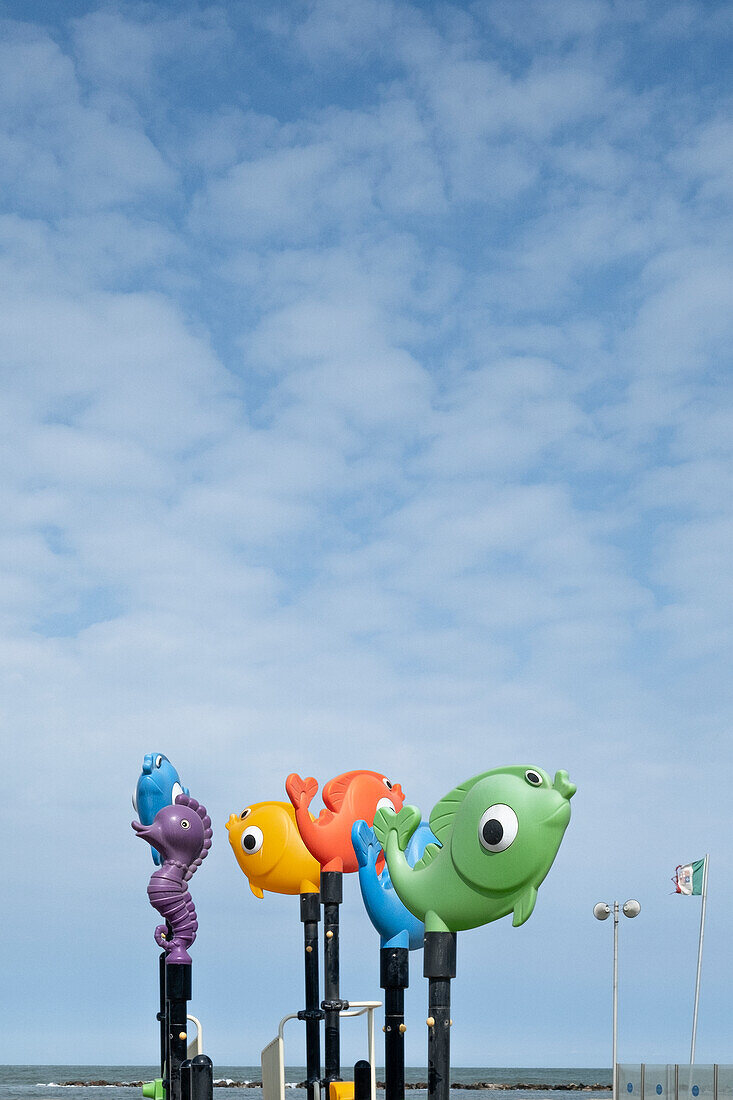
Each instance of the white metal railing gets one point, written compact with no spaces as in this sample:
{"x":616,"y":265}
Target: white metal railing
{"x":272,"y":1059}
{"x":197,"y":1045}
{"x":358,"y":1008}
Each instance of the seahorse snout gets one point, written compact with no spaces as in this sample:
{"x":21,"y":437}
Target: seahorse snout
{"x":152,"y":833}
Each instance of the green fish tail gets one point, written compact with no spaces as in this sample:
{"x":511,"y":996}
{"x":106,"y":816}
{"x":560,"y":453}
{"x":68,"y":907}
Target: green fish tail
{"x":403,"y":824}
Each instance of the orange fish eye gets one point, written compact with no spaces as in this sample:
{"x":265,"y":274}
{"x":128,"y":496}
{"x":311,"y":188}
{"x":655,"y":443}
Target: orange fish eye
{"x":387,"y":783}
{"x":245,"y":813}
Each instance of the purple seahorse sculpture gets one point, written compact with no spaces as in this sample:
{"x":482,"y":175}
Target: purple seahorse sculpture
{"x":182,"y":834}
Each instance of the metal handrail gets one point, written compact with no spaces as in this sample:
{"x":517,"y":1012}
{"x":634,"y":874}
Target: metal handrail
{"x":356,"y":1008}
{"x":360,"y":1008}
{"x":198,"y":1042}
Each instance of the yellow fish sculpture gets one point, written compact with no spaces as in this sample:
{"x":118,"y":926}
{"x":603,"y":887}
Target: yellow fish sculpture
{"x":267,"y":846}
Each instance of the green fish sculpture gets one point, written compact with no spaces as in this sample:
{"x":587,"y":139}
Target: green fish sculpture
{"x":499,"y":834}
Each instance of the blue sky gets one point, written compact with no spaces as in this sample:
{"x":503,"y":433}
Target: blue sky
{"x":366,"y":403}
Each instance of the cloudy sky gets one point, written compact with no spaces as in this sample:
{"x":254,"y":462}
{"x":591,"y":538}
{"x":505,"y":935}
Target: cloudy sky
{"x":366,"y":402}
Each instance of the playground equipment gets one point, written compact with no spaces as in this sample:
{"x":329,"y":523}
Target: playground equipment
{"x":399,"y":932}
{"x":159,"y":785}
{"x":181,"y":833}
{"x":498,"y":835}
{"x":273,"y":1061}
{"x":268,"y":848}
{"x":350,"y":797}
{"x":493,"y":840}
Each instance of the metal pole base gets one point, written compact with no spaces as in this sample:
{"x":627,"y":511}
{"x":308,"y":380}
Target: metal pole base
{"x":331,"y":896}
{"x":394,"y":967}
{"x":178,"y":994}
{"x":310,"y":914}
{"x":439,"y":967}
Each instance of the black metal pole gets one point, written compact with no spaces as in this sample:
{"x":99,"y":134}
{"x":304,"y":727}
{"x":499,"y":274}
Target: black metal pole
{"x":186,"y":1079}
{"x":178,"y":991}
{"x":439,"y":966}
{"x":362,"y":1080}
{"x":310,"y":914}
{"x":331,"y":896}
{"x":201,"y":1078}
{"x":394,"y":969}
{"x":162,"y":1016}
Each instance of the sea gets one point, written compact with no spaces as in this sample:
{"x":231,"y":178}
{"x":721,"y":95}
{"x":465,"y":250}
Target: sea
{"x":241,"y":1082}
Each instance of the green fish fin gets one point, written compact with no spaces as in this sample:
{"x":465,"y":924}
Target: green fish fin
{"x":427,"y":857}
{"x":258,"y":893}
{"x":443,"y":812}
{"x":433,"y":922}
{"x":404,"y":824}
{"x":524,"y":906}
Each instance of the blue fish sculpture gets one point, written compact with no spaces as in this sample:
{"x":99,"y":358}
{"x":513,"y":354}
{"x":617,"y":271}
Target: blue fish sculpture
{"x":158,"y":786}
{"x":395,"y":923}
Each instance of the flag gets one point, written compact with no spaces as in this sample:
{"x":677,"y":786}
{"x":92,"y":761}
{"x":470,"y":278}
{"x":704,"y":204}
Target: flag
{"x":689,"y":877}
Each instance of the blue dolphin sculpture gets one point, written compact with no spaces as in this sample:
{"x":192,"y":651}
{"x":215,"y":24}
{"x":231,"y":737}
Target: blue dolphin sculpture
{"x":158,"y":786}
{"x":394,"y":922}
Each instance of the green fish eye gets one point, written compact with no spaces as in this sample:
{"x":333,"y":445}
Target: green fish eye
{"x":498,"y":828}
{"x":533,"y":777}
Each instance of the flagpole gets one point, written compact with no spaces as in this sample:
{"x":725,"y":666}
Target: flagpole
{"x":699,"y":957}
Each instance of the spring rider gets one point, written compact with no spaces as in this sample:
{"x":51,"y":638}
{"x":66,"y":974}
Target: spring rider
{"x":399,"y":932}
{"x":268,"y":848}
{"x":347,"y":798}
{"x":181,"y":834}
{"x":498,"y":834}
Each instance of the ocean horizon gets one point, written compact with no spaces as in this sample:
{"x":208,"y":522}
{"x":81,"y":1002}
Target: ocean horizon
{"x":93,"y":1082}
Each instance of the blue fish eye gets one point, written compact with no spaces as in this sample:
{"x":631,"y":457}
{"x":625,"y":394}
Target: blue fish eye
{"x":534,"y":778}
{"x":158,"y":761}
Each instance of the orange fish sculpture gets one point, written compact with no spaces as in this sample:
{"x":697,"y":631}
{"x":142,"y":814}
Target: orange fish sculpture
{"x":353,"y":796}
{"x":267,"y":846}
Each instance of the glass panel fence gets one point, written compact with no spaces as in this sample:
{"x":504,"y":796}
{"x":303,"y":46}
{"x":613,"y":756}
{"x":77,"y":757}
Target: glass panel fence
{"x":725,"y":1082}
{"x":656,"y":1081}
{"x":629,"y":1081}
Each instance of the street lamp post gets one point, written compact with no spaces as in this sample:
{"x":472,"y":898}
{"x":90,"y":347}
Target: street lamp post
{"x":602,"y":911}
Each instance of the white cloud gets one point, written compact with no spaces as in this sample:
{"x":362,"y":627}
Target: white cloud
{"x":390,"y":425}
{"x":60,"y":151}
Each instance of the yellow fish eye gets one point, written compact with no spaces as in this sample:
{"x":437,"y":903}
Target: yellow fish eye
{"x":245,"y":813}
{"x":252,"y":839}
